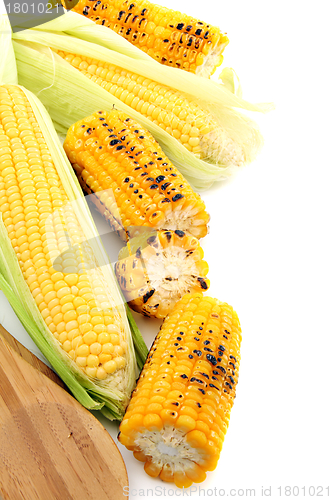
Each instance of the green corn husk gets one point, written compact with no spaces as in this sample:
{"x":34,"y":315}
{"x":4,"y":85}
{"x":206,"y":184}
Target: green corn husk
{"x":139,"y":344}
{"x":229,"y":78}
{"x":110,"y":396}
{"x":70,"y":96}
{"x":8,"y":70}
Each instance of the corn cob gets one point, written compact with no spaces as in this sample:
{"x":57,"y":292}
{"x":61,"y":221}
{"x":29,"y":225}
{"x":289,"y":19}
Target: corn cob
{"x":161,"y":268}
{"x":181,"y":102}
{"x":168,"y":36}
{"x":58,"y":265}
{"x":179,"y":412}
{"x":179,"y":115}
{"x":133,"y":181}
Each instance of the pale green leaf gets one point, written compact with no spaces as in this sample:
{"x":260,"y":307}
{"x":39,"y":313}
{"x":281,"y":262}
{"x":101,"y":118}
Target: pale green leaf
{"x":8,"y":72}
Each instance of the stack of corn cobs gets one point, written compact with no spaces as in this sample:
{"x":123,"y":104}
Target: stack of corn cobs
{"x":129,"y":85}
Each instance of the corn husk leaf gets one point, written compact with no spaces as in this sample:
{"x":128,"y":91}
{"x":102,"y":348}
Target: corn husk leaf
{"x":69,"y":96}
{"x":139,"y":344}
{"x":73,"y":33}
{"x":229,"y":78}
{"x":80,"y":27}
{"x":8,"y":71}
{"x":122,"y":54}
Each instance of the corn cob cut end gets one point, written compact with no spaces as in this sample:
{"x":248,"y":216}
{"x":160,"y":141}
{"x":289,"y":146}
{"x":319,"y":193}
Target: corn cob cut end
{"x":213,"y":59}
{"x":159,"y":268}
{"x":133,"y":182}
{"x":179,"y":412}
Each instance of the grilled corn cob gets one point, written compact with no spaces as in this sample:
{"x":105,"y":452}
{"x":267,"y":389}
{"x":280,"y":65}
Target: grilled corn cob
{"x":162,"y":267}
{"x":179,"y":412}
{"x":70,"y":290}
{"x":168,"y":36}
{"x":133,"y":181}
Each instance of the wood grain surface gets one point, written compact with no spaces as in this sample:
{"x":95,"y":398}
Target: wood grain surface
{"x":51,"y":447}
{"x":30,"y":357}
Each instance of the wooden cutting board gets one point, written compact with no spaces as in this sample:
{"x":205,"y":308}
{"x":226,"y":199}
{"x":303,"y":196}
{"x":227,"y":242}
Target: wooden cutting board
{"x":29,"y":357}
{"x":51,"y":447}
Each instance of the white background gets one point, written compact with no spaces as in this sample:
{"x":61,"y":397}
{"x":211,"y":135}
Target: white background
{"x":270,"y":255}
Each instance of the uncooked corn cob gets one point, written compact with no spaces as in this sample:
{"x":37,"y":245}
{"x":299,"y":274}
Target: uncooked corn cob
{"x":156,"y":269}
{"x":180,"y":115}
{"x":173,"y":105}
{"x":34,"y":210}
{"x":168,"y":36}
{"x":58,"y":265}
{"x":179,"y":412}
{"x":133,"y":182}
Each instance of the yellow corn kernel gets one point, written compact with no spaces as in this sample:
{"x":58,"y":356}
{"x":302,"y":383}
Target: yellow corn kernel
{"x":101,"y":373}
{"x":110,"y":366}
{"x":92,"y":360}
{"x":95,"y":348}
{"x":107,"y":348}
{"x":91,"y":371}
{"x":90,"y":337}
{"x":103,"y":358}
{"x":120,"y":362}
{"x":83,"y":350}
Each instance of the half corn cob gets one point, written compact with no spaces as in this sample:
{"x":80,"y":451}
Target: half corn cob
{"x":133,"y":181}
{"x":168,"y":36}
{"x":173,"y":105}
{"x":156,"y":269}
{"x":179,"y":412}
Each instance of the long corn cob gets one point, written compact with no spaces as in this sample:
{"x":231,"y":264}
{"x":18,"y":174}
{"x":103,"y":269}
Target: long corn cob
{"x":70,"y":290}
{"x":176,"y":113}
{"x":133,"y":181}
{"x":162,"y":266}
{"x":179,"y":412}
{"x":194,"y":119}
{"x":168,"y":36}
{"x":38,"y":220}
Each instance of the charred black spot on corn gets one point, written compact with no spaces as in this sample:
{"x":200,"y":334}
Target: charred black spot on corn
{"x":148,"y":294}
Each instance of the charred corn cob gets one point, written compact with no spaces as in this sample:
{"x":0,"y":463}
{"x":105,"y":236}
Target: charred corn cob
{"x":168,"y":36}
{"x":133,"y":181}
{"x":60,"y":269}
{"x":178,"y":114}
{"x":179,"y":412}
{"x":162,"y":267}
